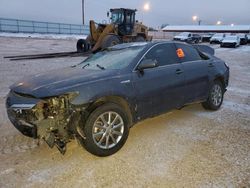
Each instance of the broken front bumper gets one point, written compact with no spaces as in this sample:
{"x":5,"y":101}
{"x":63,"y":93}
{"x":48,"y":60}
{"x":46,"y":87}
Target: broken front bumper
{"x":53,"y":120}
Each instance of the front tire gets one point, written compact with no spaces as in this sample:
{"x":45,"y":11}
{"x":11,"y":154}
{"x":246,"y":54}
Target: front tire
{"x":215,"y":97}
{"x":106,"y":130}
{"x":140,"y":39}
{"x":110,"y":40}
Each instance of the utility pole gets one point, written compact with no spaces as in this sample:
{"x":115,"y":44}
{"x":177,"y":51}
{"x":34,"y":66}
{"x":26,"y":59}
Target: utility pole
{"x":83,"y":12}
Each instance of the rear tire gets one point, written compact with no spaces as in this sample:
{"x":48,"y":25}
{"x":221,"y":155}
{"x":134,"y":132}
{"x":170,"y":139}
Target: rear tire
{"x":215,"y":96}
{"x":110,"y":40}
{"x":102,"y":138}
{"x":82,"y":45}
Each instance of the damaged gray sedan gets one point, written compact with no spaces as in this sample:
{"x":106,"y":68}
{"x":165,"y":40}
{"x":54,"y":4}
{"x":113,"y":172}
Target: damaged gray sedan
{"x":98,"y":100}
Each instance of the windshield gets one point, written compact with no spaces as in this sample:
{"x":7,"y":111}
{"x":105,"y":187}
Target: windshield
{"x":184,"y":34}
{"x":111,"y":59}
{"x":117,"y":17}
{"x":231,"y":38}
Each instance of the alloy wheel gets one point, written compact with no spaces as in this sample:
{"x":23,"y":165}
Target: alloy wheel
{"x":216,"y":95}
{"x":108,"y":130}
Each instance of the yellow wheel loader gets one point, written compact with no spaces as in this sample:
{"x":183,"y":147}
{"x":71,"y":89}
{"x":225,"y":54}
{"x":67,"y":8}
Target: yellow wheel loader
{"x":123,"y":28}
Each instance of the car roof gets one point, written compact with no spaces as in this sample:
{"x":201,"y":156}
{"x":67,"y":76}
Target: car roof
{"x":147,"y":45}
{"x":139,"y":44}
{"x":128,"y":45}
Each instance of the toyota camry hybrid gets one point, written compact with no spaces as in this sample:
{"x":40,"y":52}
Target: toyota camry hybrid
{"x":97,"y":101}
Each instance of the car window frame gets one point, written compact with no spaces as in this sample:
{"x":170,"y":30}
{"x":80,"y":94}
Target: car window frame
{"x":136,"y":67}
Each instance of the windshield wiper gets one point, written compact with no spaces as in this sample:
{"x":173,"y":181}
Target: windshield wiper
{"x":100,"y":67}
{"x":85,"y":65}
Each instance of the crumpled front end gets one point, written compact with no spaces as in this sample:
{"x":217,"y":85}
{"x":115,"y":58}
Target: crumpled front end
{"x":53,"y":119}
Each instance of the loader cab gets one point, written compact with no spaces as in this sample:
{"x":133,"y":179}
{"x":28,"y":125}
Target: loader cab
{"x":125,"y":19}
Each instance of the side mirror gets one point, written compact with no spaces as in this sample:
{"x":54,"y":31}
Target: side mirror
{"x":147,"y":64}
{"x":108,"y":14}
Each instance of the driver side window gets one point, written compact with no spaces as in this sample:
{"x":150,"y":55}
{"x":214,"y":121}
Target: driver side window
{"x":164,"y":54}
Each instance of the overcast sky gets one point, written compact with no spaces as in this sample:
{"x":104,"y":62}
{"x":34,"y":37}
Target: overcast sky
{"x":174,"y":12}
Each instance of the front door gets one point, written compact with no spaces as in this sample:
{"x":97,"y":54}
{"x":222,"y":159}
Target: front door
{"x":161,"y":88}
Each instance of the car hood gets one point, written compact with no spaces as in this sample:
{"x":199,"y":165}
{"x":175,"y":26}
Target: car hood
{"x":60,"y":81}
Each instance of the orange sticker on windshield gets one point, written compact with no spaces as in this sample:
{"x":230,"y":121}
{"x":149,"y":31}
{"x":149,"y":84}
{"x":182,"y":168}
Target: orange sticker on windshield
{"x":180,"y":53}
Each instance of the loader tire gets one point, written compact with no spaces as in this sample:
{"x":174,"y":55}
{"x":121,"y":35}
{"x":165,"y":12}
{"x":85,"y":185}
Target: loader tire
{"x":110,"y":40}
{"x":82,"y":45}
{"x":140,"y":39}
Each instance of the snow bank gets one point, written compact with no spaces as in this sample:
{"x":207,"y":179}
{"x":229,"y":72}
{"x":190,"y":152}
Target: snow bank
{"x":43,"y":36}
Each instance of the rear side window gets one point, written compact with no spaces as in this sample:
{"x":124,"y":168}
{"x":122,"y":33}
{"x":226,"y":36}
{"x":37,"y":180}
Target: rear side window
{"x":191,"y":54}
{"x":164,"y":54}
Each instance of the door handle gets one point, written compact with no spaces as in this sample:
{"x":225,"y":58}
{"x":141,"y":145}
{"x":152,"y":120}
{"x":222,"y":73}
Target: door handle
{"x":178,"y":71}
{"x":210,"y":65}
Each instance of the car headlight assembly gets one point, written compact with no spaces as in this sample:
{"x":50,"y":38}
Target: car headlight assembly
{"x":55,"y":105}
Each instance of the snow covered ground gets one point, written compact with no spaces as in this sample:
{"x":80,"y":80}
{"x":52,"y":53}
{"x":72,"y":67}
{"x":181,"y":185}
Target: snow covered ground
{"x":191,"y":147}
{"x":42,"y":36}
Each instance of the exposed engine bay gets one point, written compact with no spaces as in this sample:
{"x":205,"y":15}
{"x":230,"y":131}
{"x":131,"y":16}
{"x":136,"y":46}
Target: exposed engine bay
{"x":53,"y":119}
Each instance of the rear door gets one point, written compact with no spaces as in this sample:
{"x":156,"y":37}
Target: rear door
{"x":161,"y":88}
{"x":196,"y":73}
